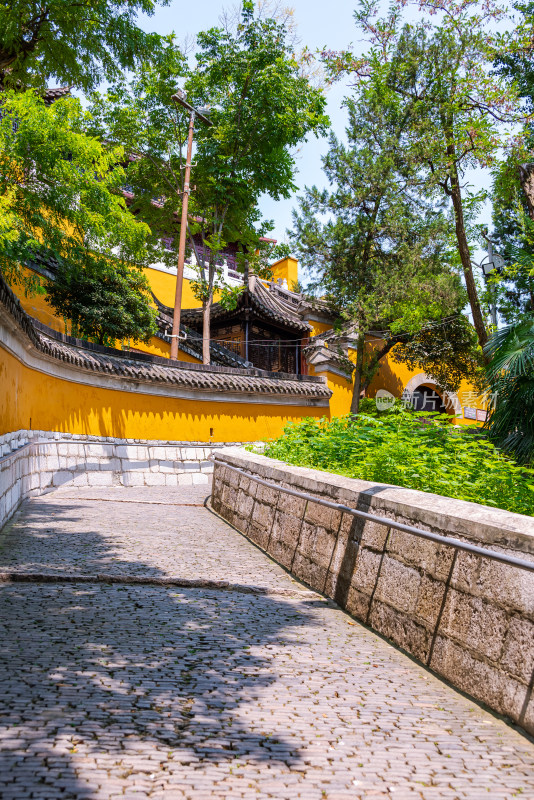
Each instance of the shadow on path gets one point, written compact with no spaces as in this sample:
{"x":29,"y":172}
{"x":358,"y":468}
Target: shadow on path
{"x":93,"y":673}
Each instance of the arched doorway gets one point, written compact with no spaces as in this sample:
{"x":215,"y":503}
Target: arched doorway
{"x":426,"y":398}
{"x":421,"y":390}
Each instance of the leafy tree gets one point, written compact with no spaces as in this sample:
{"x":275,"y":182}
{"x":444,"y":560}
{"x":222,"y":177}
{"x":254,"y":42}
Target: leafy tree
{"x":59,"y":190}
{"x":507,"y":200}
{"x":513,"y":182}
{"x":104,"y":305}
{"x":138,"y":116}
{"x":447,"y":351}
{"x":78,"y":43}
{"x":514,"y":54}
{"x":441,"y":68}
{"x":513,"y":238}
{"x":374,"y":245}
{"x":262,"y":108}
{"x":510,"y":375}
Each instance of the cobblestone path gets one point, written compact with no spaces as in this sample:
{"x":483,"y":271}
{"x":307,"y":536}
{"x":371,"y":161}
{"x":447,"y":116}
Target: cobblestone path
{"x":115,"y":690}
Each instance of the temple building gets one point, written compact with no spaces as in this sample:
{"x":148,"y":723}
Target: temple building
{"x":268,"y":328}
{"x":273,"y":330}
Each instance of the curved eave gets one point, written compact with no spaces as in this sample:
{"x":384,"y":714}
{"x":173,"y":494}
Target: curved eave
{"x":57,"y":355}
{"x":193,"y":316}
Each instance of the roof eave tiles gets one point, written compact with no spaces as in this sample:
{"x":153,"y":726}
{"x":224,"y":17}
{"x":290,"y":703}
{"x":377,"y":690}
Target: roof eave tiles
{"x":151,"y":370}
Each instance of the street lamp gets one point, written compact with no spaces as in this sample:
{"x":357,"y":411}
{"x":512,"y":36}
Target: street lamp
{"x":201,"y":113}
{"x":491,"y":263}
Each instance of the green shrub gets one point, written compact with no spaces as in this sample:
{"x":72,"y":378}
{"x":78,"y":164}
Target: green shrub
{"x":416,"y":450}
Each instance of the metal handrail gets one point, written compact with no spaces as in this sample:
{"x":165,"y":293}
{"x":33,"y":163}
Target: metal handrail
{"x":433,"y":537}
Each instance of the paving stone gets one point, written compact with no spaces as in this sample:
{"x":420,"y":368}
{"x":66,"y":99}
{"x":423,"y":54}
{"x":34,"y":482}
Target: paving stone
{"x":118,"y":690}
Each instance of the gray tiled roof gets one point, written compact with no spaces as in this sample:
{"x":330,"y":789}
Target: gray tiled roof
{"x":153,"y":369}
{"x":278,"y":306}
{"x":192,"y":344}
{"x":51,"y":95}
{"x":270,"y":305}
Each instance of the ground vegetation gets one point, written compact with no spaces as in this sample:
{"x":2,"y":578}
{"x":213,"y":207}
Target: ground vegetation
{"x":411,"y":449}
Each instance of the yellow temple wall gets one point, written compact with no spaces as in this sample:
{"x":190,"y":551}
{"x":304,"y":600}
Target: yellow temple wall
{"x":395,"y":377}
{"x":319,"y":327}
{"x":391,"y":376}
{"x":37,"y":307}
{"x":288,"y":269}
{"x":34,"y":400}
{"x":341,"y":389}
{"x":163,"y":284}
{"x":159,"y":347}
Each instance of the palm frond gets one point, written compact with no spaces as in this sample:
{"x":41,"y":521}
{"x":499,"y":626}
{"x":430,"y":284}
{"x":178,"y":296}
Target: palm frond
{"x":510,"y":376}
{"x":511,"y":351}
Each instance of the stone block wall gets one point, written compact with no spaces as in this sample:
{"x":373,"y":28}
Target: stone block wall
{"x":33,"y":462}
{"x":468,"y":618}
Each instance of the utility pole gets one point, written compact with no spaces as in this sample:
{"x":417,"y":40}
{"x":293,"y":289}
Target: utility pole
{"x":179,"y":97}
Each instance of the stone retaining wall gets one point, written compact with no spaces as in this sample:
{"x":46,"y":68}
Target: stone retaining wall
{"x":33,"y":462}
{"x":469,"y":619}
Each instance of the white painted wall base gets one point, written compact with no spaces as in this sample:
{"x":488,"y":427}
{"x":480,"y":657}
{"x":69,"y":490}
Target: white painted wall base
{"x":34,"y":462}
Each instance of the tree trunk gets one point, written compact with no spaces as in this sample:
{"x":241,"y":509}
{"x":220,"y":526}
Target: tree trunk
{"x":6,"y":59}
{"x":355,"y":404}
{"x":465,"y":256}
{"x":206,"y":331}
{"x":526,"y":178}
{"x":374,"y":364}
